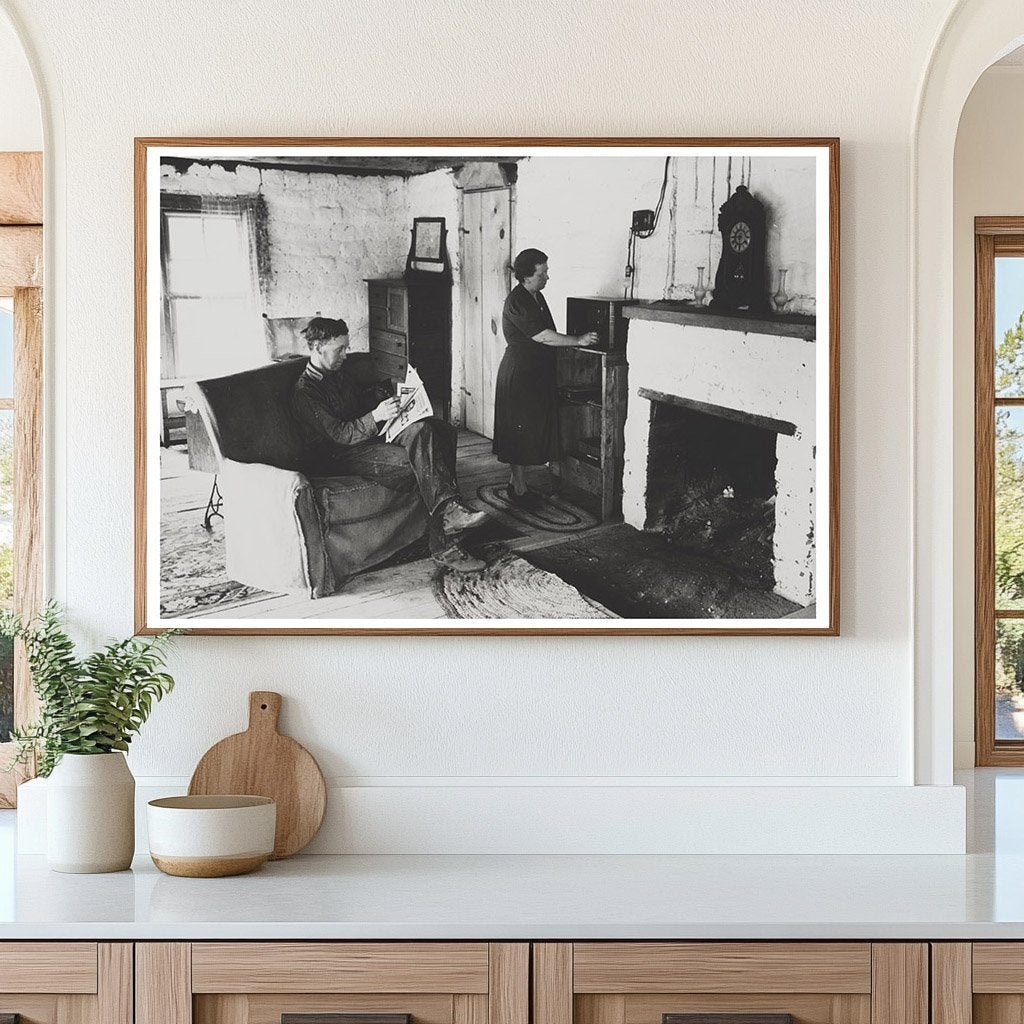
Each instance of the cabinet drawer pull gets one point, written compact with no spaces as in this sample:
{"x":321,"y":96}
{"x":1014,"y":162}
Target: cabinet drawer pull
{"x":340,"y":1018}
{"x":727,"y":1018}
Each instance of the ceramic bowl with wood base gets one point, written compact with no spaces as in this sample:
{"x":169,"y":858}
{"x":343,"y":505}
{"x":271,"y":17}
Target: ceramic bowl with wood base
{"x":211,"y":836}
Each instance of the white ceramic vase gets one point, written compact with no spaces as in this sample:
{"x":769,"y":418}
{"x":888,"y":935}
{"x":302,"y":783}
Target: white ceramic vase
{"x":90,"y":814}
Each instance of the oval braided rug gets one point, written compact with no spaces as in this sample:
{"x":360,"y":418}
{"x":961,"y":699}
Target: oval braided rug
{"x":511,"y":588}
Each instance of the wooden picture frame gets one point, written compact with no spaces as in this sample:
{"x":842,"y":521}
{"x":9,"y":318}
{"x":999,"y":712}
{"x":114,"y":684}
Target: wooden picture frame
{"x":428,"y":235}
{"x":791,"y":584}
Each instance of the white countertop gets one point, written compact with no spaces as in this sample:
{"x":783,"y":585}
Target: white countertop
{"x":980,"y":895}
{"x":447,"y":897}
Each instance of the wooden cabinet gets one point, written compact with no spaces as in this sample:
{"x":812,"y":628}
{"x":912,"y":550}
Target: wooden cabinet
{"x":977,"y":982}
{"x":411,"y":322}
{"x":498,"y":983}
{"x":572,"y":983}
{"x":66,"y":982}
{"x":592,"y":406}
{"x":656,"y":982}
{"x":264,"y":982}
{"x":591,"y":416}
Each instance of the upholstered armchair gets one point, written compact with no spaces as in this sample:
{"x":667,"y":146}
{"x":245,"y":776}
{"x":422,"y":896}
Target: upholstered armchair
{"x":285,"y":531}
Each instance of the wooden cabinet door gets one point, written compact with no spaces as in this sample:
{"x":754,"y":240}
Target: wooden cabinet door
{"x":66,"y":982}
{"x":741,"y":982}
{"x":977,"y":982}
{"x":307,"y":982}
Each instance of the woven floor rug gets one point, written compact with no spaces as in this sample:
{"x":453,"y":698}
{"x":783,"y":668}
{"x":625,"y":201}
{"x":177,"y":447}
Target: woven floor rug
{"x":511,"y":588}
{"x":192,"y":568}
{"x":556,"y":515}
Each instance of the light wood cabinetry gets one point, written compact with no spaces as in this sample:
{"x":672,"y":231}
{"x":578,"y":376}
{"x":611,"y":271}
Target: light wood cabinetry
{"x":66,"y":982}
{"x":496,"y":983}
{"x":814,"y":982}
{"x":262,"y":982}
{"x":977,"y":982}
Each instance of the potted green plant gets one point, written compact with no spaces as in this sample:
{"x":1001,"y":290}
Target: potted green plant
{"x":89,"y":710}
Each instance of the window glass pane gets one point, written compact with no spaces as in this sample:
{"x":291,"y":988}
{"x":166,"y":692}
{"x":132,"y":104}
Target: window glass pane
{"x":6,"y":567}
{"x":1009,"y":679}
{"x":1009,"y":327}
{"x":185,"y":235}
{"x":223,"y":237}
{"x":6,"y":354}
{"x":1009,"y":532}
{"x":186,"y":277}
{"x":216,"y":336}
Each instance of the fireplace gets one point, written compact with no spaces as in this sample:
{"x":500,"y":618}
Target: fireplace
{"x":719,"y":448}
{"x":711,"y":484}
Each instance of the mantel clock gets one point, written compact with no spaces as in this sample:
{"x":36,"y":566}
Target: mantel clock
{"x":741,"y":282}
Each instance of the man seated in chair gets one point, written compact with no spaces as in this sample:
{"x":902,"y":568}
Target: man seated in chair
{"x":339,"y":419}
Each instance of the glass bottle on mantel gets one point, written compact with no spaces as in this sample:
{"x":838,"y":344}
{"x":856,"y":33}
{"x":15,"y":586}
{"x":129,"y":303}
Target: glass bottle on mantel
{"x":780,"y":300}
{"x":700,"y":289}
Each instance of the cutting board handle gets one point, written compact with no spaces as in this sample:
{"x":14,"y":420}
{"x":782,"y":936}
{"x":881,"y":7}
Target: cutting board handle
{"x":264,"y":710}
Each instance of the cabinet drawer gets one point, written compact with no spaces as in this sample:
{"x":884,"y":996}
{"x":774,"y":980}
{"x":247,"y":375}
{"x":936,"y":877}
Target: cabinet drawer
{"x":260,"y":982}
{"x":398,"y":316}
{"x":722,"y":967}
{"x":66,"y":982}
{"x":48,"y":967}
{"x":580,"y":473}
{"x":339,"y":967}
{"x":389,"y":366}
{"x":389,"y":342}
{"x":812,"y":982}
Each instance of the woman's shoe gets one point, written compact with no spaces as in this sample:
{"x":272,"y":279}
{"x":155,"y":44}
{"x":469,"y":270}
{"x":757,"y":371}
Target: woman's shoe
{"x":528,"y":501}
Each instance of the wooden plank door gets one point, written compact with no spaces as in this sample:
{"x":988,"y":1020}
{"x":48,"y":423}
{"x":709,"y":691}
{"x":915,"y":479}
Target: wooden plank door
{"x":486,"y":258}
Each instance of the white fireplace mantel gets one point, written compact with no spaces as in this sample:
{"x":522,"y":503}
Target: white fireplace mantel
{"x":766,"y":375}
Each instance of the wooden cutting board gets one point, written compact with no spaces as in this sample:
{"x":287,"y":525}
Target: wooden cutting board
{"x":262,"y":762}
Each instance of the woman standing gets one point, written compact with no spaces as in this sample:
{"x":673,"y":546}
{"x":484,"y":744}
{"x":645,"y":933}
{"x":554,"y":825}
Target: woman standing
{"x":525,"y":400}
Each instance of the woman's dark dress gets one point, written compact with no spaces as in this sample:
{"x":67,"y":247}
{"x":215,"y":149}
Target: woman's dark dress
{"x":525,"y":401}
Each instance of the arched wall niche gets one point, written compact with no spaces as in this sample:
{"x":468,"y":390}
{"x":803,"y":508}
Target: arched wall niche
{"x":21,"y":120}
{"x":976,"y":34}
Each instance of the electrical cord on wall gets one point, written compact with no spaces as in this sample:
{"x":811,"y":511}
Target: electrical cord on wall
{"x":629,"y":289}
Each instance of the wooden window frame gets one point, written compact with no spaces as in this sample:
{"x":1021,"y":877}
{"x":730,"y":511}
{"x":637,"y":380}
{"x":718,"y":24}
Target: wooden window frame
{"x":21,"y":269}
{"x":993,"y":237}
{"x":251,"y":212}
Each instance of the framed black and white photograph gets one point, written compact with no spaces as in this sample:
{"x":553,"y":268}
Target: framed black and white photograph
{"x":494,"y":386}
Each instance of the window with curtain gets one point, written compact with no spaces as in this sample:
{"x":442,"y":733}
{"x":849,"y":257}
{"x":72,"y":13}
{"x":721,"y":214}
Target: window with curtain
{"x":213,"y":264}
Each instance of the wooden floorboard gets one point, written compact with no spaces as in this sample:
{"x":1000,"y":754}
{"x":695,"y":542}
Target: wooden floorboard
{"x":401,"y":591}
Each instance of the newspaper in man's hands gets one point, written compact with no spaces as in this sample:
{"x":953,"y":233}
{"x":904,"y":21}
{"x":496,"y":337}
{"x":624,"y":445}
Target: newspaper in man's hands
{"x":413,"y":405}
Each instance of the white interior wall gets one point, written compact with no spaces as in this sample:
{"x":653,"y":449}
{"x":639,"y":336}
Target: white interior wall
{"x":435,"y":195}
{"x":21,"y":127}
{"x":987,"y":181}
{"x":432,"y":714}
{"x":341,"y":227}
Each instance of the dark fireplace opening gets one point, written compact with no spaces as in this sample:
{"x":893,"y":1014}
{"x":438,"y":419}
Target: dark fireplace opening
{"x":711,"y":486}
